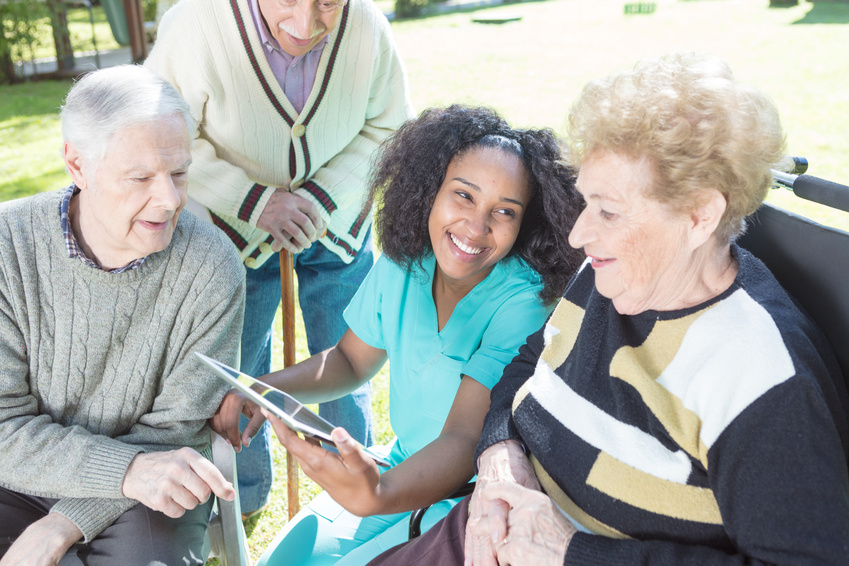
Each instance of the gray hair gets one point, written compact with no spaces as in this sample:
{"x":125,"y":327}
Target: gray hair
{"x":111,"y":100}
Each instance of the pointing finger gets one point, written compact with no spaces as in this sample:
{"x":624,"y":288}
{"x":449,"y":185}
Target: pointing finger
{"x":216,"y":482}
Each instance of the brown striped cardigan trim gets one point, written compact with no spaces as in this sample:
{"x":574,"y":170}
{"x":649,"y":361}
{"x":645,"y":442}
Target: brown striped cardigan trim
{"x":240,"y":242}
{"x":343,"y":24}
{"x":321,"y":195}
{"x":240,"y":22}
{"x":342,"y":244}
{"x":250,"y":202}
{"x":355,"y":229}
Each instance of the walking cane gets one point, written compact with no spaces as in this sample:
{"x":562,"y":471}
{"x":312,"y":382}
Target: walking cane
{"x":287,"y":294}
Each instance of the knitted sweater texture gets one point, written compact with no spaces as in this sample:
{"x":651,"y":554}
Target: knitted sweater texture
{"x":250,"y":139}
{"x":699,"y":436}
{"x":96,"y":367}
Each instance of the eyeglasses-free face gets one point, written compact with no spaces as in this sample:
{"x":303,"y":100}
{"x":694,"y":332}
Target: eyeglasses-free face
{"x":131,"y":198}
{"x":476,"y":215}
{"x":298,"y":25}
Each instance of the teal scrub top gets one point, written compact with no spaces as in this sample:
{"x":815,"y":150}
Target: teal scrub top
{"x":394,"y":311}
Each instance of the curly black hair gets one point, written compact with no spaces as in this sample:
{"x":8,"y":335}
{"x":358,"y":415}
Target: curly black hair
{"x":411,"y":168}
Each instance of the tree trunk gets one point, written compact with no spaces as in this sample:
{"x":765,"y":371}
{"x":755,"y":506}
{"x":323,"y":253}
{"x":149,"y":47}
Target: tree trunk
{"x":61,"y":34}
{"x":7,"y":67}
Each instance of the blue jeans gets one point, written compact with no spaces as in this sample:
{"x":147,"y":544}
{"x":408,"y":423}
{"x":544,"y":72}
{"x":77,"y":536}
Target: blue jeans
{"x":326,"y":285}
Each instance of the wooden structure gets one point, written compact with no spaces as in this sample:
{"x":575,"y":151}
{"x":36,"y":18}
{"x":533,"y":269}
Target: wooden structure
{"x":135,"y":25}
{"x":287,"y":295}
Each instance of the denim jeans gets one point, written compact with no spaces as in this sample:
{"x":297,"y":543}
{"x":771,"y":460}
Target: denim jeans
{"x":326,"y":285}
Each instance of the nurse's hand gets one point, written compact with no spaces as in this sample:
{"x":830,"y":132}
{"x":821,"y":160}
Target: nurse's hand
{"x":226,"y":419}
{"x":350,"y":477}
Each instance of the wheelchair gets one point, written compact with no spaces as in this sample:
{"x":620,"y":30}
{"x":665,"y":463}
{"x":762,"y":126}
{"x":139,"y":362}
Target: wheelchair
{"x":225,"y":537}
{"x":811,"y":261}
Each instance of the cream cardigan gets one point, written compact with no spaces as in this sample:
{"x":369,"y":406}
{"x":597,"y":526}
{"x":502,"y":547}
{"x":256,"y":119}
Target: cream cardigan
{"x":251,"y":140}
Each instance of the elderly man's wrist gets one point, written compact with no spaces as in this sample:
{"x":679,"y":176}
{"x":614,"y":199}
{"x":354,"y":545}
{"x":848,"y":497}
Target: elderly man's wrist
{"x":63,"y":530}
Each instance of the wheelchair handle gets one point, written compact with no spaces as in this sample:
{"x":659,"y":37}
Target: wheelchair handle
{"x":815,"y":189}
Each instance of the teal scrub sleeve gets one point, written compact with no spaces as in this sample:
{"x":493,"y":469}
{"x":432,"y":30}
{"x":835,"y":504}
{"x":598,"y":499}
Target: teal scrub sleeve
{"x":363,"y":314}
{"x":518,"y":317}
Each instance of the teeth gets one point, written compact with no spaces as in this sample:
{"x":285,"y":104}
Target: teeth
{"x":464,"y":248}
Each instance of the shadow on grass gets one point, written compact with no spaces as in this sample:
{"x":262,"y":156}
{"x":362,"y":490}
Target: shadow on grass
{"x":826,"y":13}
{"x":250,"y":525}
{"x":22,"y":130}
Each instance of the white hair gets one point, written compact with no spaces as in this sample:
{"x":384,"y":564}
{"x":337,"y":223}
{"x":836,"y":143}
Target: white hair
{"x":111,"y":100}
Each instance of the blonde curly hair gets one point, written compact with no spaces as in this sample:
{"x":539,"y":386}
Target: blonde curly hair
{"x":696,"y":124}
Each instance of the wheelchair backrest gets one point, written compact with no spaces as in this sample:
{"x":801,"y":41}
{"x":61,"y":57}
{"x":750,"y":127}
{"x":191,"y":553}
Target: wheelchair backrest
{"x":811,"y":262}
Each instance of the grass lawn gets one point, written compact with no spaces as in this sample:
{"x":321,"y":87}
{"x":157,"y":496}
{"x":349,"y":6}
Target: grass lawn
{"x":30,"y":138}
{"x":530,"y":70}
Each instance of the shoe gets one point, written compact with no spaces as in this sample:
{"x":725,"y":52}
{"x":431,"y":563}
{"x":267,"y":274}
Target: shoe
{"x":251,"y":514}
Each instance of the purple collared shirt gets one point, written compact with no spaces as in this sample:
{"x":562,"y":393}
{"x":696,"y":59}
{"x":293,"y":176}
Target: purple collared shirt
{"x":295,"y":75}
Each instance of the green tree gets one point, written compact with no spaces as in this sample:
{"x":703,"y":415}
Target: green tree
{"x":18,"y":32}
{"x":61,"y":34}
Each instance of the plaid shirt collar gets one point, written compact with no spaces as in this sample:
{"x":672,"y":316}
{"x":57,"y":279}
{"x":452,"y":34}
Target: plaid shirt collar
{"x":71,"y":243}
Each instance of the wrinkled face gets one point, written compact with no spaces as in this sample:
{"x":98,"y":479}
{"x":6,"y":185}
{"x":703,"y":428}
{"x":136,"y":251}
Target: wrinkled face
{"x":637,"y":245}
{"x":477,"y":213}
{"x":298,"y":25}
{"x":131,"y":198}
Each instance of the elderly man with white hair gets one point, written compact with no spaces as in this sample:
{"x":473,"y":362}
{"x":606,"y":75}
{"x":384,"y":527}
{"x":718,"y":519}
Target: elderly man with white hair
{"x":106,"y":290}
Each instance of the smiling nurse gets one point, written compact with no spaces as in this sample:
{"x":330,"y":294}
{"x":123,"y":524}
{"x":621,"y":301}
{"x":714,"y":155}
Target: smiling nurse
{"x":472,"y":218}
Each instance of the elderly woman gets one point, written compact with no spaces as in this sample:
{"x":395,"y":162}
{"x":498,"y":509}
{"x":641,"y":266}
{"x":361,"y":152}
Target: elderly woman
{"x":105,"y":292}
{"x":671,"y":410}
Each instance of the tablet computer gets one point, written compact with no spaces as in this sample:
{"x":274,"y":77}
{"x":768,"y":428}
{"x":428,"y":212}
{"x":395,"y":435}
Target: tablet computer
{"x":282,"y":405}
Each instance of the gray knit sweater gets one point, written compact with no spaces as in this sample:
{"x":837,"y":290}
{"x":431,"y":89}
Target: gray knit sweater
{"x":97,"y":367}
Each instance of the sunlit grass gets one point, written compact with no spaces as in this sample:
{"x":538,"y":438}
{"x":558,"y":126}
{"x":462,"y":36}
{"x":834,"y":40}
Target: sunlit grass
{"x":532,"y":69}
{"x":30,"y":139}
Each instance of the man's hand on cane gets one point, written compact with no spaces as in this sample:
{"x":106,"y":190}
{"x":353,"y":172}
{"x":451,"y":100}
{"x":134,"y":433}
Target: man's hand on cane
{"x":292,"y":220}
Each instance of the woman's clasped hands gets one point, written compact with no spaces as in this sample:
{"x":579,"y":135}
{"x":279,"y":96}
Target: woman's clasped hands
{"x":511,"y":521}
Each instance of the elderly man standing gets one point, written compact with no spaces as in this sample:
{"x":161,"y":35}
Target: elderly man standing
{"x":106,"y":290}
{"x":292,"y":97}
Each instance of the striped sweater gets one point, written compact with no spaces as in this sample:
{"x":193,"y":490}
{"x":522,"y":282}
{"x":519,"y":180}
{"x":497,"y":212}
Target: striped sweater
{"x":699,"y":436}
{"x":250,"y":139}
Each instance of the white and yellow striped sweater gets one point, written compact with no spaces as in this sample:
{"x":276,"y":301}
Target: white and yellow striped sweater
{"x":699,"y":436}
